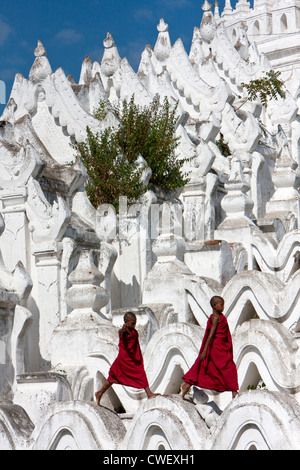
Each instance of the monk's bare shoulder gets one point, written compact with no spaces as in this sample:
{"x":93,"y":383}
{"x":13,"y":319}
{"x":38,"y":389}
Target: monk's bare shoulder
{"x":215,"y":318}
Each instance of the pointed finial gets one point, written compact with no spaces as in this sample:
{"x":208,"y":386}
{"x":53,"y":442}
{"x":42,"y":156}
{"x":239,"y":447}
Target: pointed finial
{"x":162,"y":27}
{"x":217,"y":14}
{"x":228,"y":6}
{"x":208,"y":24}
{"x":206,"y":6}
{"x":108,"y":41}
{"x":41,"y":67}
{"x":111,"y":59}
{"x":162,"y":46}
{"x":40,"y":50}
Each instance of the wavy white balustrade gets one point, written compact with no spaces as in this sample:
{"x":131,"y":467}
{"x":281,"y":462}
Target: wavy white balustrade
{"x":263,"y":350}
{"x":259,"y":420}
{"x":78,"y":426}
{"x":267,"y":351}
{"x":250,"y":294}
{"x":279,"y":259}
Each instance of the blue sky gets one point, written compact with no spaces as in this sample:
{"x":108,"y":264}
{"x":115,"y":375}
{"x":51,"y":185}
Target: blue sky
{"x":72,"y":29}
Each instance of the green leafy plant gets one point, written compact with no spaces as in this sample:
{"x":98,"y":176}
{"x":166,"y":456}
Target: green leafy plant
{"x":224,"y":148}
{"x":265,"y":88}
{"x":109,"y":174}
{"x":260,"y":386}
{"x":110,"y":156}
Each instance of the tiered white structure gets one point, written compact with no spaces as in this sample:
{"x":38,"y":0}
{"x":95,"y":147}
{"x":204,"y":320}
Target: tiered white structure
{"x":68,"y":272}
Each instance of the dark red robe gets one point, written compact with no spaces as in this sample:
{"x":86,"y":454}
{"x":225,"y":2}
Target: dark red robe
{"x":128,"y":368}
{"x":218,"y":370}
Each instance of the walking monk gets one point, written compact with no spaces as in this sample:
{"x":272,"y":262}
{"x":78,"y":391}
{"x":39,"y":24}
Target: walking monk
{"x":214,"y":368}
{"x":128,"y":368}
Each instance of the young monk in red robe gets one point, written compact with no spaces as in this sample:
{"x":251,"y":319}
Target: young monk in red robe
{"x":128,"y":368}
{"x":214,"y":368}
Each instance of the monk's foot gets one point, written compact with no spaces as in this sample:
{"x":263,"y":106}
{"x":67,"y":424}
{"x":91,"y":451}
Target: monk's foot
{"x":152,"y":395}
{"x":98,"y":397}
{"x":184,"y":389}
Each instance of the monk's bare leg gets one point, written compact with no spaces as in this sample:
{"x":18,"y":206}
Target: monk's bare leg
{"x":150,"y":394}
{"x":184,"y":389}
{"x":100,"y":392}
{"x":234,"y":394}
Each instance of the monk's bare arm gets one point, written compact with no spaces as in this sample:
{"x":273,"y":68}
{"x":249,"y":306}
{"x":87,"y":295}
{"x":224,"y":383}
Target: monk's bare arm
{"x":124,"y":329}
{"x":214,"y":322}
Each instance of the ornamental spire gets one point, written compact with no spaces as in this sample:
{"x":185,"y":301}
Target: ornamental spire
{"x":208,"y":24}
{"x":111,"y":59}
{"x":41,"y":67}
{"x":206,"y":6}
{"x":217,"y":13}
{"x":228,"y":5}
{"x":163,"y":46}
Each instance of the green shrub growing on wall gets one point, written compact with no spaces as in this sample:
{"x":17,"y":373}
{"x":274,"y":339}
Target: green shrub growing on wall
{"x":264,"y":89}
{"x":110,"y":156}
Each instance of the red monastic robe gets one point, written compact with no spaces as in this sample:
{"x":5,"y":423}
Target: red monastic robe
{"x":218,"y":370}
{"x":128,"y":368}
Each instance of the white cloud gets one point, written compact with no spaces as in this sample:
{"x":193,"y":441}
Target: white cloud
{"x":8,"y":73}
{"x":143,"y":14}
{"x":5,"y":31}
{"x":68,"y":36}
{"x":176,"y":3}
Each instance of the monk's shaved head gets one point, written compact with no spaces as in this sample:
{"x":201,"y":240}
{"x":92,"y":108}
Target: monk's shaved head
{"x":129,"y":316}
{"x":215,"y":299}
